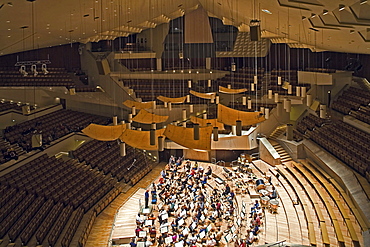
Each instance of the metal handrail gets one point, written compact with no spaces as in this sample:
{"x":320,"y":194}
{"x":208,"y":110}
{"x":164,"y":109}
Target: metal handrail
{"x":276,"y":243}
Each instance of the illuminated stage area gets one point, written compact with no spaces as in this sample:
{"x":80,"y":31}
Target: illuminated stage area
{"x":265,"y":204}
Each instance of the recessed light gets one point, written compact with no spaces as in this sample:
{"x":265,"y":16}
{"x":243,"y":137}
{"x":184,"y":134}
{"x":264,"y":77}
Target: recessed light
{"x":9,"y":36}
{"x":7,"y":21}
{"x":266,"y":11}
{"x":325,"y":12}
{"x":313,"y":15}
{"x":9,"y":29}
{"x":363,"y":2}
{"x":341,"y":7}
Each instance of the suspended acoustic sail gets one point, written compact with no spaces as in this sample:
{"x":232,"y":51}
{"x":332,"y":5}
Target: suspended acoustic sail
{"x":229,"y":116}
{"x":147,"y":118}
{"x":139,"y":105}
{"x":203,"y":95}
{"x":104,"y":133}
{"x":179,"y":100}
{"x":204,"y":122}
{"x":226,"y":90}
{"x":140,"y":139}
{"x":182,"y":136}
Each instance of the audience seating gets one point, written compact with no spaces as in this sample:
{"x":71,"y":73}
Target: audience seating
{"x":52,"y":126}
{"x":40,"y":197}
{"x":149,"y":90}
{"x":57,"y":77}
{"x":80,"y":89}
{"x":310,"y":122}
{"x":351,"y":101}
{"x":5,"y":105}
{"x":362,"y":114}
{"x":86,"y":228}
{"x":258,"y":105}
{"x":321,"y":70}
{"x":105,"y":156}
{"x":344,"y":141}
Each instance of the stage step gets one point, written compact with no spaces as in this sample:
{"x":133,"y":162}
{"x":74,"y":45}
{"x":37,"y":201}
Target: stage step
{"x":284,"y":156}
{"x":278,"y":131}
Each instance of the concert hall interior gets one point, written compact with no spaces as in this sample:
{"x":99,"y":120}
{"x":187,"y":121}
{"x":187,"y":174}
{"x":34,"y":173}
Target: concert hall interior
{"x":144,"y":123}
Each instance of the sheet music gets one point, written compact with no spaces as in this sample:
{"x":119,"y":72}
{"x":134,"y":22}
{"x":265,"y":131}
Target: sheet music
{"x":168,"y":240}
{"x":142,"y":234}
{"x":164,"y":216}
{"x":181,"y":222}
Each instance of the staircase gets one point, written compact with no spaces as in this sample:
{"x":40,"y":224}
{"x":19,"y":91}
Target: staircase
{"x":278,"y":132}
{"x":362,"y":82}
{"x":284,"y":156}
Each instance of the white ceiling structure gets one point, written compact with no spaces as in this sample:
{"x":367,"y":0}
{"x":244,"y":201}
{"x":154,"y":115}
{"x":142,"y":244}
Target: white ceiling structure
{"x":321,"y":25}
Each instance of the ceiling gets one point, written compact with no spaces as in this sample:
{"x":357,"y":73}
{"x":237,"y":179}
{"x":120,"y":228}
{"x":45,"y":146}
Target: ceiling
{"x":332,"y":25}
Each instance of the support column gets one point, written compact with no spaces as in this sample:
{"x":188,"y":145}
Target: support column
{"x":159,"y":64}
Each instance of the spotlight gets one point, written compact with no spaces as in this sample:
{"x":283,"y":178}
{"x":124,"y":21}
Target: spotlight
{"x":313,"y":15}
{"x":325,"y":12}
{"x":34,"y":70}
{"x":341,"y":7}
{"x":44,"y":70}
{"x":23,"y":70}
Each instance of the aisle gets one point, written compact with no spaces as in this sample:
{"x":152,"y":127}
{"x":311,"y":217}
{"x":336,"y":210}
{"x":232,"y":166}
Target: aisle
{"x":101,"y":230}
{"x":125,"y":220}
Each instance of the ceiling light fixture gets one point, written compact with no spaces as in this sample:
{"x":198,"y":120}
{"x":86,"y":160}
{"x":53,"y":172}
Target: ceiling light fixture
{"x":313,"y":15}
{"x":267,"y":11}
{"x":342,"y":7}
{"x":325,"y":12}
{"x":363,"y":2}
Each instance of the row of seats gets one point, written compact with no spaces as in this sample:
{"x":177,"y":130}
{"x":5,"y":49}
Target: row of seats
{"x":363,"y":114}
{"x":309,"y":122}
{"x":56,"y":77}
{"x":346,"y":143}
{"x":351,"y":100}
{"x":50,"y":69}
{"x":52,"y":126}
{"x":321,"y":70}
{"x":105,"y":156}
{"x":48,"y":83}
{"x":81,"y":89}
{"x":29,"y":210}
{"x":255,"y":106}
{"x":5,"y":106}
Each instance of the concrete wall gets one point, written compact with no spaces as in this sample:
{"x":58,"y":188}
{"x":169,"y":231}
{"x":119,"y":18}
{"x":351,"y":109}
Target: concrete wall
{"x":11,"y":117}
{"x":29,"y":95}
{"x":155,"y":38}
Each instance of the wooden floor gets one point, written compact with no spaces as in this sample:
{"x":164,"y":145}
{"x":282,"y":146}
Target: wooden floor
{"x":101,"y":229}
{"x":289,"y":223}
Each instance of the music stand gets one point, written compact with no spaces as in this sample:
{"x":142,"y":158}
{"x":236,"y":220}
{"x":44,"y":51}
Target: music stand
{"x":142,"y":234}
